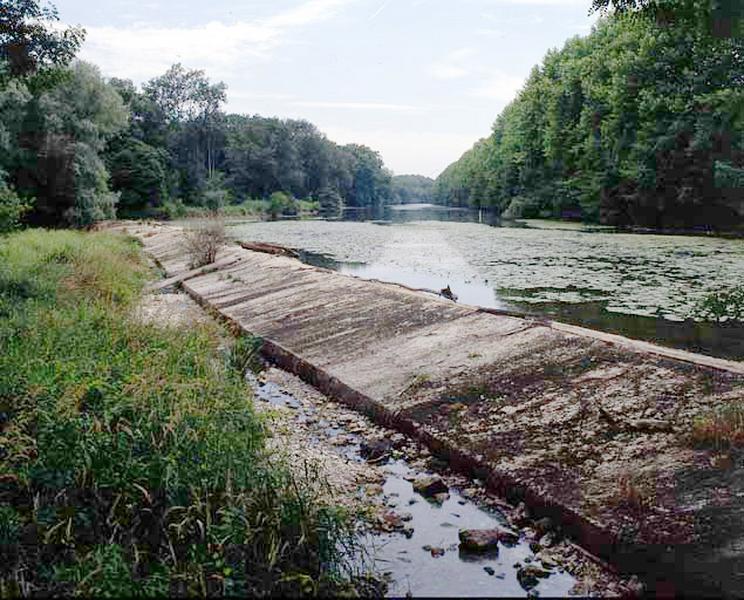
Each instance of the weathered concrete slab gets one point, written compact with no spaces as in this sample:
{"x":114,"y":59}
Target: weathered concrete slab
{"x":588,"y":428}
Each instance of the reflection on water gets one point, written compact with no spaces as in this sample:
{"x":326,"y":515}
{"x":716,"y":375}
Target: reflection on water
{"x":643,"y":286}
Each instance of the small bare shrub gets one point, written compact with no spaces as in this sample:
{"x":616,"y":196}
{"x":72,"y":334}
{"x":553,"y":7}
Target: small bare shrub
{"x":204,"y":240}
{"x":719,"y":429}
{"x":633,"y":492}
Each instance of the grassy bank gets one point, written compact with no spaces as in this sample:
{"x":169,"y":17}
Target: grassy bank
{"x":131,"y":462}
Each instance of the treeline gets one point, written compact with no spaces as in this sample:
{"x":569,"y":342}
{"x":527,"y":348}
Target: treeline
{"x":412,"y":189}
{"x":76,"y":148}
{"x":641,"y":123}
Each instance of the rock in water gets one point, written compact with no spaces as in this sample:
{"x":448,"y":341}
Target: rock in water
{"x":530,"y":575}
{"x":486,"y":540}
{"x":429,"y":487}
{"x":375,"y":450}
{"x":448,"y":293}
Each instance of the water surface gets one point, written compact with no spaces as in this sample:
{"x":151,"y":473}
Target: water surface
{"x":641,"y":285}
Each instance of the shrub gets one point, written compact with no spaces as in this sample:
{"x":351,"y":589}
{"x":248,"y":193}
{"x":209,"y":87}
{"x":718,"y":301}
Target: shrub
{"x":719,"y":429}
{"x":203,"y":241}
{"x":12,"y":208}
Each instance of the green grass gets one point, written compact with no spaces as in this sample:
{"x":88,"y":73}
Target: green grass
{"x":131,"y":461}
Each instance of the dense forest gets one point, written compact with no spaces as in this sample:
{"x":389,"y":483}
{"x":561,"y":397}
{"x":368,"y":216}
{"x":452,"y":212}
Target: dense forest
{"x":640,"y":123}
{"x":76,"y":147}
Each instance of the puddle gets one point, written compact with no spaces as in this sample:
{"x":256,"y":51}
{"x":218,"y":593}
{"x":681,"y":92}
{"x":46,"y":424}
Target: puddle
{"x":408,"y":561}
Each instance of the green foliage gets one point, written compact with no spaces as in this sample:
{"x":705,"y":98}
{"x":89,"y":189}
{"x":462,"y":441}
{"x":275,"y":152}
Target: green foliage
{"x":329,"y":202}
{"x":29,"y":41}
{"x":281,"y":204}
{"x":138,"y":173}
{"x":12,"y":208}
{"x":722,"y":305}
{"x":635,"y":124}
{"x":55,"y":138}
{"x":133,"y":463}
{"x":408,"y":189}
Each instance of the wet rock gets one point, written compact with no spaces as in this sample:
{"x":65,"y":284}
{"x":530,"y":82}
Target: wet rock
{"x":398,"y":440}
{"x":529,"y":576}
{"x":373,"y":489}
{"x":547,"y":540}
{"x":429,"y":486}
{"x":484,"y":540}
{"x":375,"y":450}
{"x":543,"y":526}
{"x":390,"y":521}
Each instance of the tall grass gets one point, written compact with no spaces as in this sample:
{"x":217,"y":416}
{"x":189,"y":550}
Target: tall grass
{"x":131,"y":462}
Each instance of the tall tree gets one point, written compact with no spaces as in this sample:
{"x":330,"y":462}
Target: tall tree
{"x":29,"y":41}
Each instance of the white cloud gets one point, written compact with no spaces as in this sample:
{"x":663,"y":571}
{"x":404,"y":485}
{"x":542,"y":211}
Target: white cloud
{"x":142,"y":51}
{"x":454,"y":64}
{"x":497,"y":86}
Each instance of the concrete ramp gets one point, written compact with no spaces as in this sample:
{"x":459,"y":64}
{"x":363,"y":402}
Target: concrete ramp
{"x":600,"y":433}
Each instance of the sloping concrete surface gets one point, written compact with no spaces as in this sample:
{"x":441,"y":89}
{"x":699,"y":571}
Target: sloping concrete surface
{"x":588,"y":428}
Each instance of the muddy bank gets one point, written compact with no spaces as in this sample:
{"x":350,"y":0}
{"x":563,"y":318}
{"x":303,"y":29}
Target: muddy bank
{"x":589,"y":430}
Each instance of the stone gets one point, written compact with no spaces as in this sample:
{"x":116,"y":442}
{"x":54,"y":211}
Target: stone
{"x":429,"y":486}
{"x":529,"y":576}
{"x":489,"y":570}
{"x":437,"y":552}
{"x":373,"y":489}
{"x":485,"y":540}
{"x":547,"y":540}
{"x":441,"y":498}
{"x":543,"y":526}
{"x":375,"y":450}
{"x":391,"y":520}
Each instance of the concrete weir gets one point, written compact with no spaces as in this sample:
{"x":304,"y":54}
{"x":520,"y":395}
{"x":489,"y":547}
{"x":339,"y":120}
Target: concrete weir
{"x":597,"y":432}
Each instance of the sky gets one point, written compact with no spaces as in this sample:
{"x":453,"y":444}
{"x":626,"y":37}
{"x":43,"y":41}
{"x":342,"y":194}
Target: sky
{"x":419,"y":81}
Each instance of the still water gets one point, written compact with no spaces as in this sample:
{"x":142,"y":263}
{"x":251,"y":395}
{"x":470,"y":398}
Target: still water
{"x":644,"y":286}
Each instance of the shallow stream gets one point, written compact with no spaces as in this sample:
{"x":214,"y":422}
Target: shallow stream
{"x":427,"y":561}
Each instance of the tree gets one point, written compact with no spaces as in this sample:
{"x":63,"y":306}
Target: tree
{"x":330,"y":201}
{"x":58,"y":136}
{"x":138,"y":173}
{"x":625,"y":126}
{"x":28,"y":40}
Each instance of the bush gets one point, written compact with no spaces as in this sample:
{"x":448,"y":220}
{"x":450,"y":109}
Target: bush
{"x":12,"y":208}
{"x":203,"y":241}
{"x":132,"y":462}
{"x":281,"y":203}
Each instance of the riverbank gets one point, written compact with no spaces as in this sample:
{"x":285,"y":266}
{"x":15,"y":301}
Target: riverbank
{"x":404,"y":536}
{"x":132,"y":461}
{"x":528,"y":406}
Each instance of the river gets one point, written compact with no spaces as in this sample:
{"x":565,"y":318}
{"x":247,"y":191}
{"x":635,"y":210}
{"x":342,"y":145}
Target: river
{"x":644,"y":286}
